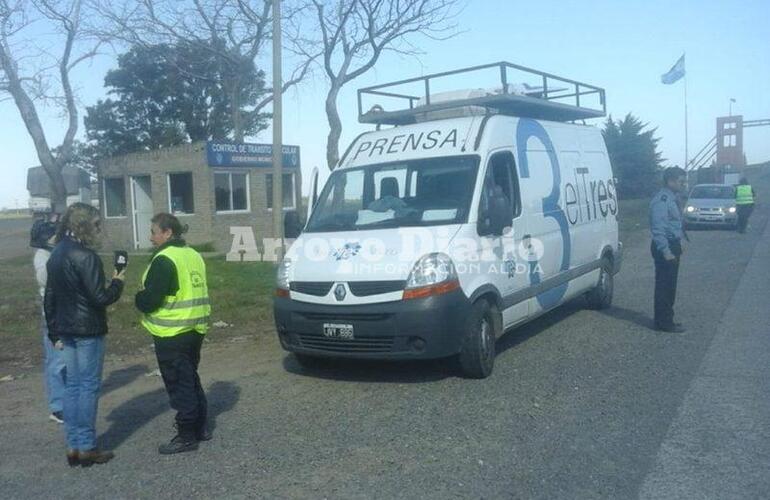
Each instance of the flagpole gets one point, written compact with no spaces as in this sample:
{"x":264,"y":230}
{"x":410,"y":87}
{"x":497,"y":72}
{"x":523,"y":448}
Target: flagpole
{"x":686,"y":155}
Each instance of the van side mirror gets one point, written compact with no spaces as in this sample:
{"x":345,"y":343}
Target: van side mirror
{"x":292,"y":225}
{"x":496,"y":218}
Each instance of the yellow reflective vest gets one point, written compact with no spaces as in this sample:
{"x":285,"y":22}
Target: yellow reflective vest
{"x":190,"y":308}
{"x":743,"y":195}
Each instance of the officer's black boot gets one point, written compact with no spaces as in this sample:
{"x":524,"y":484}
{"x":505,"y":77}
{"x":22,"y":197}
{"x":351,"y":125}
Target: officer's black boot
{"x":202,"y":431}
{"x":672,"y":328}
{"x":185,"y":440}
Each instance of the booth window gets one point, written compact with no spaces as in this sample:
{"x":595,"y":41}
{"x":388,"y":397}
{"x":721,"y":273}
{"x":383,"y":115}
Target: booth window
{"x":180,"y":193}
{"x":114,"y":197}
{"x":231,"y":192}
{"x":288,"y":191}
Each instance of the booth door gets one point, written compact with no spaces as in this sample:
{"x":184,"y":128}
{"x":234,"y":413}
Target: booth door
{"x":141,"y":197}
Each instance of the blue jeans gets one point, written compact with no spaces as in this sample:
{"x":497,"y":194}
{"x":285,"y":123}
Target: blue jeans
{"x":84,"y":359}
{"x":53,"y":371}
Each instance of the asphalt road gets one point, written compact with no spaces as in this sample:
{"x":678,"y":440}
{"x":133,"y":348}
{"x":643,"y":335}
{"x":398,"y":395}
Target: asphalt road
{"x":582,"y":404}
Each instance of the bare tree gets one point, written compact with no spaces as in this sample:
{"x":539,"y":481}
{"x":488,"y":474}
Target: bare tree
{"x":234,"y":31}
{"x":355,"y":33}
{"x":32,"y":75}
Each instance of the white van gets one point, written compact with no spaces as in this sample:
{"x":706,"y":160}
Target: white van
{"x":434,"y":237}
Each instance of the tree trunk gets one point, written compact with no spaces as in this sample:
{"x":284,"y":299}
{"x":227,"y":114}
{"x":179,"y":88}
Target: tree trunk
{"x":58,"y":188}
{"x":232,"y":85}
{"x":32,"y":121}
{"x":335,"y":128}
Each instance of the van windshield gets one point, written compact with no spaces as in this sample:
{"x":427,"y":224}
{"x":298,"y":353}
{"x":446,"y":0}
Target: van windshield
{"x":422,"y":192}
{"x":712,"y":192}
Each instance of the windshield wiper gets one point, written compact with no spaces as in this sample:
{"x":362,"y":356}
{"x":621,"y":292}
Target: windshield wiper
{"x":329,"y":226}
{"x":380,"y":223}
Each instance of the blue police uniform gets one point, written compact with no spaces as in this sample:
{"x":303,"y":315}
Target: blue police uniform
{"x":667,"y":233}
{"x":665,"y":220}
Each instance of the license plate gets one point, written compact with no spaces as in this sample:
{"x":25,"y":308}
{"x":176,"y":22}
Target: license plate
{"x":338,"y":331}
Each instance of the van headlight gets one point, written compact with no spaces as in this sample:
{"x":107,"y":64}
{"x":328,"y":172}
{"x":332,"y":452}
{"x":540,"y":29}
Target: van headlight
{"x":282,"y":276}
{"x":433,"y":274}
{"x":731,"y":210}
{"x":690,"y":209}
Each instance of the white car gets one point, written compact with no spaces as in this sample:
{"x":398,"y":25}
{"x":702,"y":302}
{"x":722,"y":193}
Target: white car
{"x":711,"y":205}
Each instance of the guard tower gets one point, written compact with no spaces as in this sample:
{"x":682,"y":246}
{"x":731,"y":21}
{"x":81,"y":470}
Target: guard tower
{"x":535,"y":94}
{"x":730,"y":142}
{"x":722,"y":157}
{"x":730,"y":159}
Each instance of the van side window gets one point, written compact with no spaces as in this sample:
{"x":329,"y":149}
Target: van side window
{"x":511,"y":163}
{"x":501,"y":177}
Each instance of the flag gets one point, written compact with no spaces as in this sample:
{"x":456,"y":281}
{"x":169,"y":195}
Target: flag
{"x":675,"y":73}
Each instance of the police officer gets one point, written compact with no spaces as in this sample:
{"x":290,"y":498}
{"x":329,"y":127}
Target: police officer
{"x":744,"y":201}
{"x":176,"y":308}
{"x":666,"y":247}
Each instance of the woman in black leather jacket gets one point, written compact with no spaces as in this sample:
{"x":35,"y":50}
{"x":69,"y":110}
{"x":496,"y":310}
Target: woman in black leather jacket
{"x":75,"y":308}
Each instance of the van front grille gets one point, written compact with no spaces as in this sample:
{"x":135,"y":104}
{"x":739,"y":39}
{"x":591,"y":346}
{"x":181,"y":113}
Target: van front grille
{"x":362,"y":345}
{"x":366,"y":288}
{"x":336,"y":317}
{"x":317,"y":288}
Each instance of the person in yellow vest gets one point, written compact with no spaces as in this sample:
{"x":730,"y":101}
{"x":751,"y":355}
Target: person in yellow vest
{"x":176,"y":307}
{"x":744,"y":201}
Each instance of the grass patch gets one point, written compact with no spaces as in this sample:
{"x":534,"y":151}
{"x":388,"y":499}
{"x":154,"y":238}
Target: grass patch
{"x":633,"y":215}
{"x":204,"y":247}
{"x":15,"y":215}
{"x":19,"y":304}
{"x":241,"y":295}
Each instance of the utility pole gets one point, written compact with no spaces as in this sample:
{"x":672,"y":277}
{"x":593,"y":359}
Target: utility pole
{"x":686,"y":133}
{"x":277,"y":130}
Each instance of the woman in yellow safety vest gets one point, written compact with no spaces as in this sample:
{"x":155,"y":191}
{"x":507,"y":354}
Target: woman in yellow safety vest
{"x":176,"y":307}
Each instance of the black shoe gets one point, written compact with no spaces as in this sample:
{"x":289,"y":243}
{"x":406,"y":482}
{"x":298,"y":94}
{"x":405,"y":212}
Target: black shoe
{"x":674,"y":328}
{"x":73,"y":458}
{"x":95,"y":456}
{"x":57,"y":416}
{"x":204,"y":434}
{"x":179,"y":444}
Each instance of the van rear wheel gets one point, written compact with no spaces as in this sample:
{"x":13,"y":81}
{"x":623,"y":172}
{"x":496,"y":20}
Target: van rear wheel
{"x":601,"y":296}
{"x":477,"y":354}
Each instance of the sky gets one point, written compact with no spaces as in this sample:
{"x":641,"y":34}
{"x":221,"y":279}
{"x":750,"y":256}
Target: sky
{"x":621,"y":46}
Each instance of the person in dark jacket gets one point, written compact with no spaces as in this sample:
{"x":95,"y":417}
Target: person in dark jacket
{"x":42,"y":239}
{"x":176,"y":309}
{"x":75,"y":305}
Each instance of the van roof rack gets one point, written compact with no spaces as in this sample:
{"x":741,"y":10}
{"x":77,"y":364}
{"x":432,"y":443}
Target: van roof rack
{"x":551,"y":98}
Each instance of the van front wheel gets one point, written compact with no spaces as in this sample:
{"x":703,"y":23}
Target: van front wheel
{"x":477,"y":355}
{"x":601,"y":296}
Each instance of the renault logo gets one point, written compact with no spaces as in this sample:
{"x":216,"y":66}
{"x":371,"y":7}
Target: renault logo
{"x":339,"y":293}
